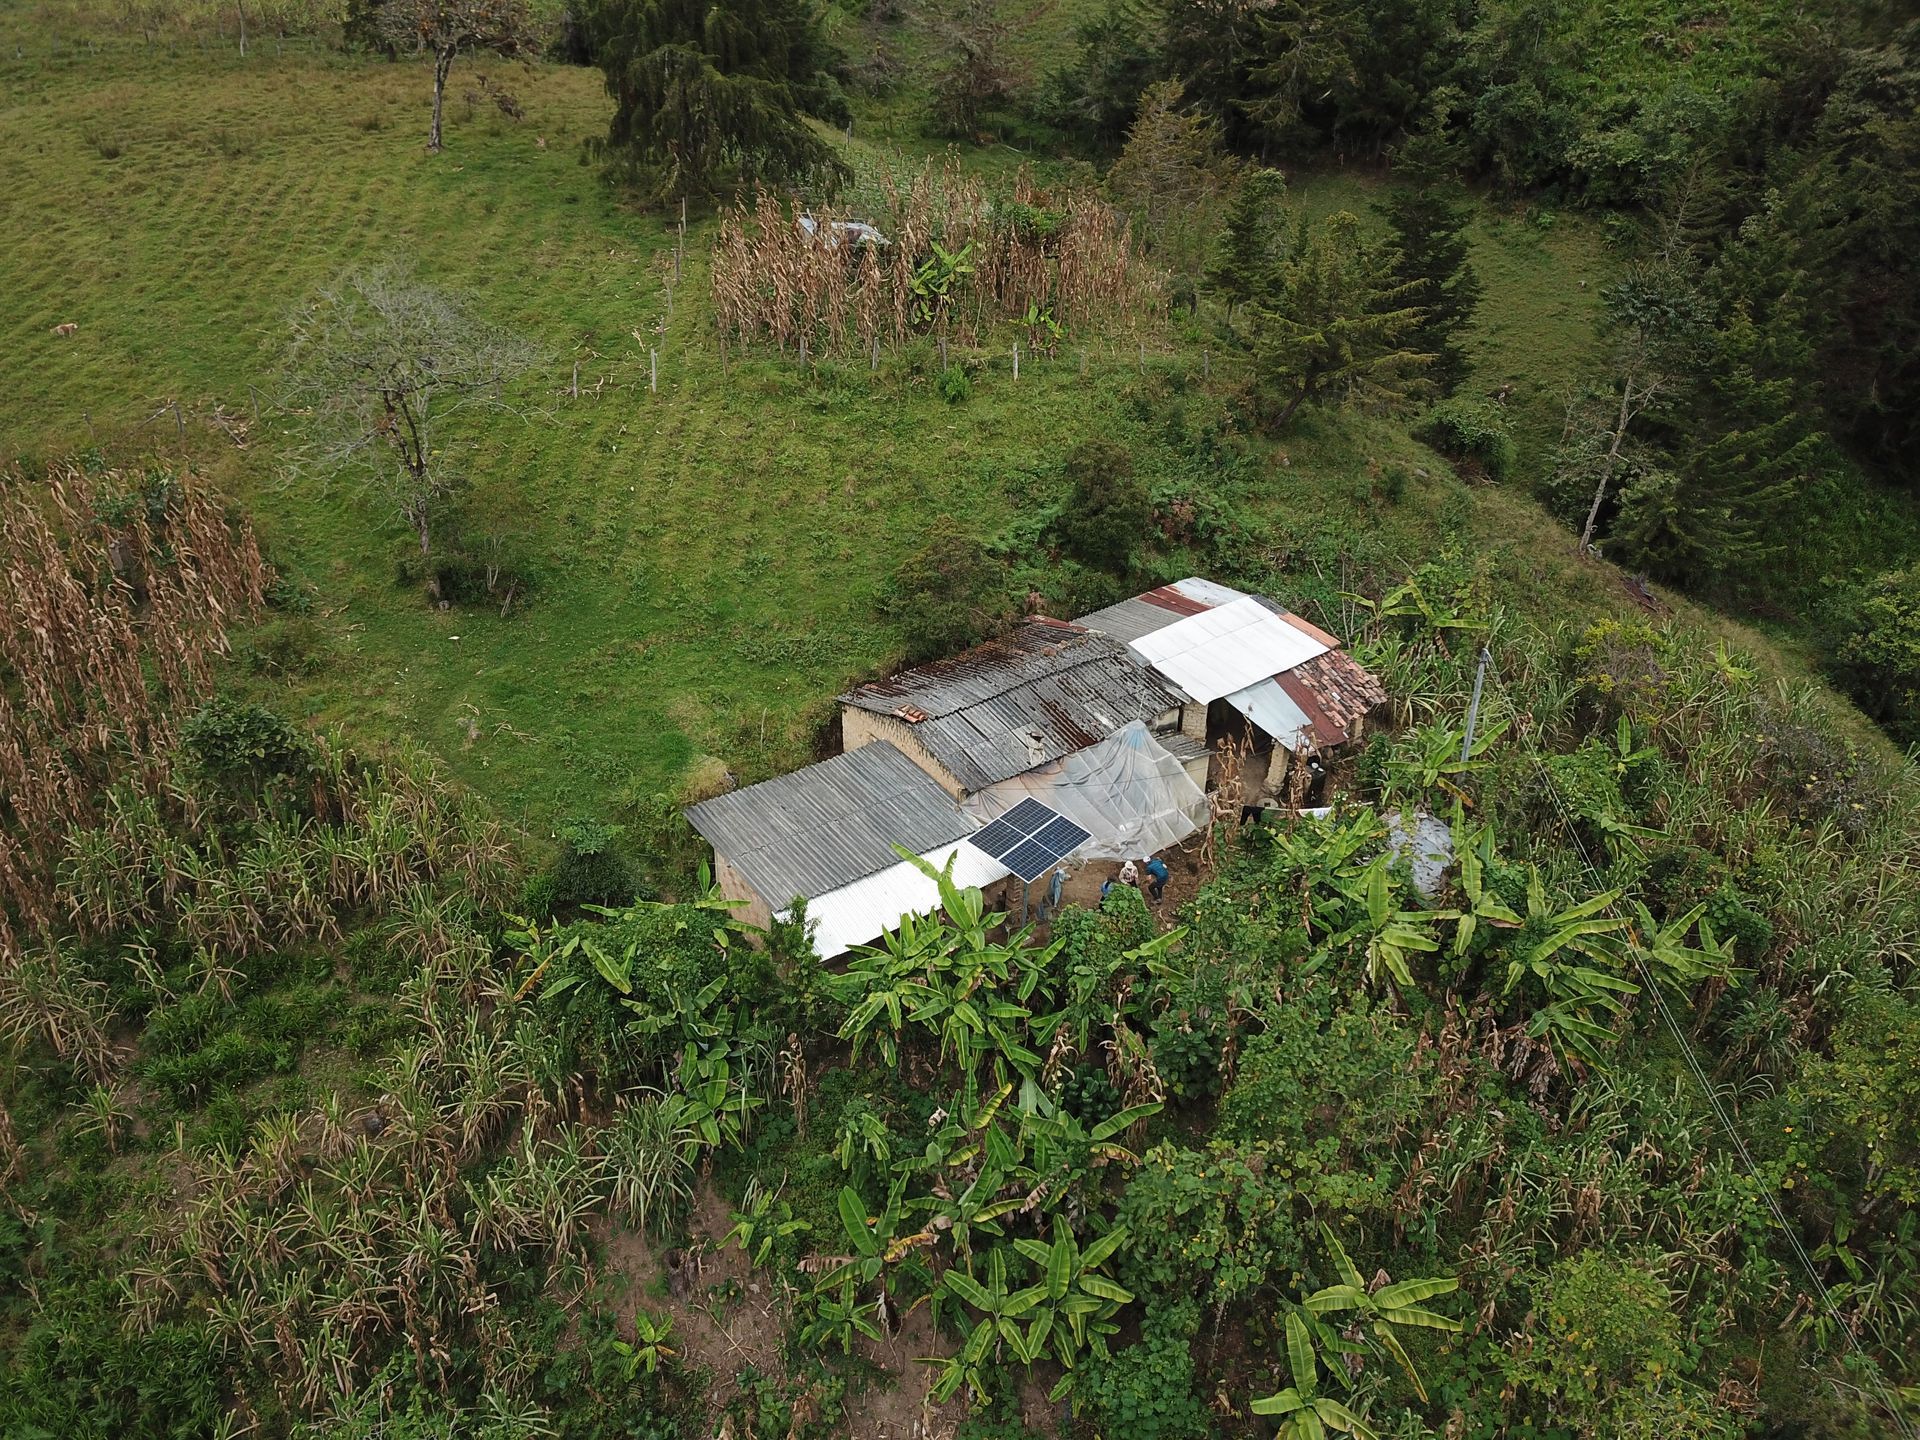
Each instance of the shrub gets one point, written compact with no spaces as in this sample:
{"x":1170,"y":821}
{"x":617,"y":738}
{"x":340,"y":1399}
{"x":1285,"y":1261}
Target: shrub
{"x":1108,"y":510}
{"x":1473,"y":434}
{"x":1146,"y":1390}
{"x":243,"y":745}
{"x":947,"y":594}
{"x":1879,"y":652}
{"x":953,"y":385}
{"x":592,"y":867}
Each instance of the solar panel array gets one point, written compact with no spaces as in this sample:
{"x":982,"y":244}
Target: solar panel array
{"x":1030,"y":839}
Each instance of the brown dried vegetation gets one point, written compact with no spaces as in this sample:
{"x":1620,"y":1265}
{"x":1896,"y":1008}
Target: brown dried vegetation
{"x":1069,"y":256}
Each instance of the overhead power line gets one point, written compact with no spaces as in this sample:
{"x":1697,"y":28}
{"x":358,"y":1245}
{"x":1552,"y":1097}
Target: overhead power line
{"x":1650,"y":985}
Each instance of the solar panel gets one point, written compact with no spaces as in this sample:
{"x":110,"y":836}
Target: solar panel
{"x":1061,"y":835}
{"x":1029,"y":860}
{"x":997,"y":838}
{"x":1030,"y":839}
{"x":1028,"y":816}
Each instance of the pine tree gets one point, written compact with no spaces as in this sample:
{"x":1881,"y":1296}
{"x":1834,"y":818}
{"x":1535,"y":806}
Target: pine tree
{"x":1171,"y":176}
{"x":707,"y":94}
{"x":1243,"y":261}
{"x":1334,"y":324}
{"x":1429,"y":233}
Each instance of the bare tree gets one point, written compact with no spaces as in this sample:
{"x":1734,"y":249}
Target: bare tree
{"x":443,"y":28}
{"x":378,"y":363}
{"x":1654,"y":316}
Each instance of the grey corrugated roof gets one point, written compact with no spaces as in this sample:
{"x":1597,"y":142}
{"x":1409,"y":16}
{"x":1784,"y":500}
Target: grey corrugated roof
{"x":1001,"y":708}
{"x":829,"y":824}
{"x":1130,"y":619}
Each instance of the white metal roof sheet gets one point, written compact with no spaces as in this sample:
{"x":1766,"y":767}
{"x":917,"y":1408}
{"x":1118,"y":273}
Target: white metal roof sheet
{"x":858,"y":913}
{"x":1273,"y":710}
{"x":1208,"y":592}
{"x":1226,"y":649}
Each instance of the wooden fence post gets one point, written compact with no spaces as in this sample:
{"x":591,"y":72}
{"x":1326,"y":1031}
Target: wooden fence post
{"x":653,"y":370}
{"x":1016,"y":359}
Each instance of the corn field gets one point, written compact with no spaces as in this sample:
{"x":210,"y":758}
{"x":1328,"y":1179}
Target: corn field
{"x":117,"y":591}
{"x":1045,"y":262}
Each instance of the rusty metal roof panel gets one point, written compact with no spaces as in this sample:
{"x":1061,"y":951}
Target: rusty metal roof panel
{"x":830,"y":824}
{"x":1001,"y":708}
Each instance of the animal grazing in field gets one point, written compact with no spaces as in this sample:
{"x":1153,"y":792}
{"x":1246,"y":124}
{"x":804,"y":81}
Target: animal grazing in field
{"x":65,"y":329}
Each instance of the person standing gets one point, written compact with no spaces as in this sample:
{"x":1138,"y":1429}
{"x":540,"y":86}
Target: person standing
{"x":1157,"y":876}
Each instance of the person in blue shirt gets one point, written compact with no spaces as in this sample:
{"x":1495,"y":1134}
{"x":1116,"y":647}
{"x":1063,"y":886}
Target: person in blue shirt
{"x":1050,"y":902}
{"x":1156,"y":869}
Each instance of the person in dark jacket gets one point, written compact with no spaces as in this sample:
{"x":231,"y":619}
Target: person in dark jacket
{"x":1156,"y":869}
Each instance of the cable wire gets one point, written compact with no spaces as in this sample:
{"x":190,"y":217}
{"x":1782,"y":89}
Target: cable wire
{"x":1651,"y":985}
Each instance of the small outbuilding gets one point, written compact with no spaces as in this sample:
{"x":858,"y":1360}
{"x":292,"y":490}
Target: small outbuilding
{"x":826,"y":834}
{"x":1273,"y":687}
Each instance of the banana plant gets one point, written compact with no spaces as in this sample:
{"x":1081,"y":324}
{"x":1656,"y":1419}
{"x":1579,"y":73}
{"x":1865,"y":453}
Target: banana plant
{"x":718,"y":1104}
{"x":1473,"y":845}
{"x":999,"y":1308}
{"x":839,"y":1316}
{"x":764,"y":1224}
{"x":1554,"y":939}
{"x":649,"y":1348}
{"x":935,"y":278}
{"x":1390,"y":935}
{"x":1078,"y":1301}
{"x":1391,"y":1307}
{"x":880,"y":1242}
{"x":1431,"y":757}
{"x":1663,"y":949}
{"x":1303,"y":1413}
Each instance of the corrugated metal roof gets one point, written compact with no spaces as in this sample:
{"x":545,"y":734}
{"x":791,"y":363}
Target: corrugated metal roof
{"x":1225,"y":649}
{"x":1130,"y":619}
{"x":1270,"y":707}
{"x":828,"y":825}
{"x":1317,"y":695}
{"x":859,"y":913}
{"x":1002,"y":708}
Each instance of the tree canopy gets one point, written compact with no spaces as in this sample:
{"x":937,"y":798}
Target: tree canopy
{"x":706,"y":96}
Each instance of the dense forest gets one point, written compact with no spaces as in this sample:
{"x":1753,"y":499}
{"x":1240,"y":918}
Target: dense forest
{"x":453,"y":435}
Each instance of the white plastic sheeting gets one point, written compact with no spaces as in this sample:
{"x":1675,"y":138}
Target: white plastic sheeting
{"x":858,"y":913}
{"x":1427,"y":843}
{"x":1226,"y":649}
{"x":1127,"y":792}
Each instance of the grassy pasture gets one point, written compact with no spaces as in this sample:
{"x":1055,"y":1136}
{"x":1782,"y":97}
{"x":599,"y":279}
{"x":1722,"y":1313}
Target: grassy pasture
{"x":709,"y":555}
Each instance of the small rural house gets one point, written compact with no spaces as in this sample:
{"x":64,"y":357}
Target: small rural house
{"x":1248,"y":673}
{"x":1057,"y":744}
{"x":826,"y":834}
{"x":1027,"y":699}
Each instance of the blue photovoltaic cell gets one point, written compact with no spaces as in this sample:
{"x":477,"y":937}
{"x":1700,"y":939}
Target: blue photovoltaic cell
{"x":1029,"y":860}
{"x":1061,"y":835}
{"x":1028,"y":816}
{"x":998,"y":838}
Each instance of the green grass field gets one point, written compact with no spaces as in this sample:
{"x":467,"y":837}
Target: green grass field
{"x":709,"y":555}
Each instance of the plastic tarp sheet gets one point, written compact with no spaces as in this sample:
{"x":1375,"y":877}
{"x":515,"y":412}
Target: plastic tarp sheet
{"x":858,"y":913}
{"x":1127,"y":792}
{"x":1226,"y":649}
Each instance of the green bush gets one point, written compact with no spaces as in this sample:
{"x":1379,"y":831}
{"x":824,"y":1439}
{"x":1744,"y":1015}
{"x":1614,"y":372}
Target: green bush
{"x":1108,"y":511}
{"x":243,"y":745}
{"x":1473,"y":434}
{"x":953,"y":386}
{"x":1878,"y":654}
{"x":592,"y":867}
{"x":1145,"y":1391}
{"x":947,"y":594}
